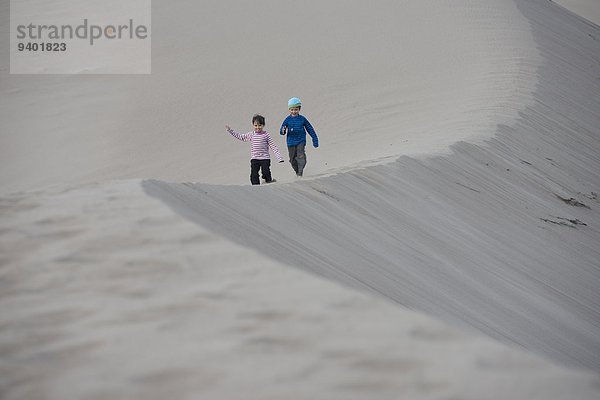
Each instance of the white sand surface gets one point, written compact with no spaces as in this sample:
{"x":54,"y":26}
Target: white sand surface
{"x":457,"y":177}
{"x":107,"y":294}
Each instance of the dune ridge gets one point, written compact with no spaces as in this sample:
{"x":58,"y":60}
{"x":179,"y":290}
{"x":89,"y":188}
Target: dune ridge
{"x":489,"y":236}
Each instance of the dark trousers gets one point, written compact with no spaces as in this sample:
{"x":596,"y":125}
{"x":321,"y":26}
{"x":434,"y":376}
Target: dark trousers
{"x":264,"y":166}
{"x":298,"y":157}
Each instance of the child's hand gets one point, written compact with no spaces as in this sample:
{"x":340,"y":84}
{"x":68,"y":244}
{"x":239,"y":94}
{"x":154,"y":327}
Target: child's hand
{"x":227,"y":127}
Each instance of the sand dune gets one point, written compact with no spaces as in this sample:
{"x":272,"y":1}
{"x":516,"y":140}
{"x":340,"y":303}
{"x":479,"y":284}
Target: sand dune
{"x":457,"y":177}
{"x":472,"y":237}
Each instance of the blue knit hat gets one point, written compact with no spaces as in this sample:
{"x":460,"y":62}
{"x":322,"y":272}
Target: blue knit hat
{"x":294,"y":102}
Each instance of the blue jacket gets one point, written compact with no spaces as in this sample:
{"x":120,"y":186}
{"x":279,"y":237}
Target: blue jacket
{"x":296,"y":130}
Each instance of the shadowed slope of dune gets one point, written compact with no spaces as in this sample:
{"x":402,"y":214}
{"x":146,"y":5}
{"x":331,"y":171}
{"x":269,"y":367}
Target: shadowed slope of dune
{"x":501,"y":236}
{"x":107,"y":293}
{"x":588,"y":9}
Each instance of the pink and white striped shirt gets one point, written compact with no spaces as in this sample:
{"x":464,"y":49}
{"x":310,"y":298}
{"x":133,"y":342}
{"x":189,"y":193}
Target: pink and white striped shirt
{"x":260,"y":144}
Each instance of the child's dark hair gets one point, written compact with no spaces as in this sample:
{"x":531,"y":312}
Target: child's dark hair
{"x":258,"y":118}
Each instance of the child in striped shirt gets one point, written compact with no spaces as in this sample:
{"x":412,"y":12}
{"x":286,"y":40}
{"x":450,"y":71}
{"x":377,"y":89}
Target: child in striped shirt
{"x":261,"y":142}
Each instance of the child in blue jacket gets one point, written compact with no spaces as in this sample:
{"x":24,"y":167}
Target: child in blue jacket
{"x":295,"y":127}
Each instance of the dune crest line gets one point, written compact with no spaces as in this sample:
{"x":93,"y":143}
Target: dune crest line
{"x":466,"y":237}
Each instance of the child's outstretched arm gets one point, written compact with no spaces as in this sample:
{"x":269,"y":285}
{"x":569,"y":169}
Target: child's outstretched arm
{"x":243,"y":137}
